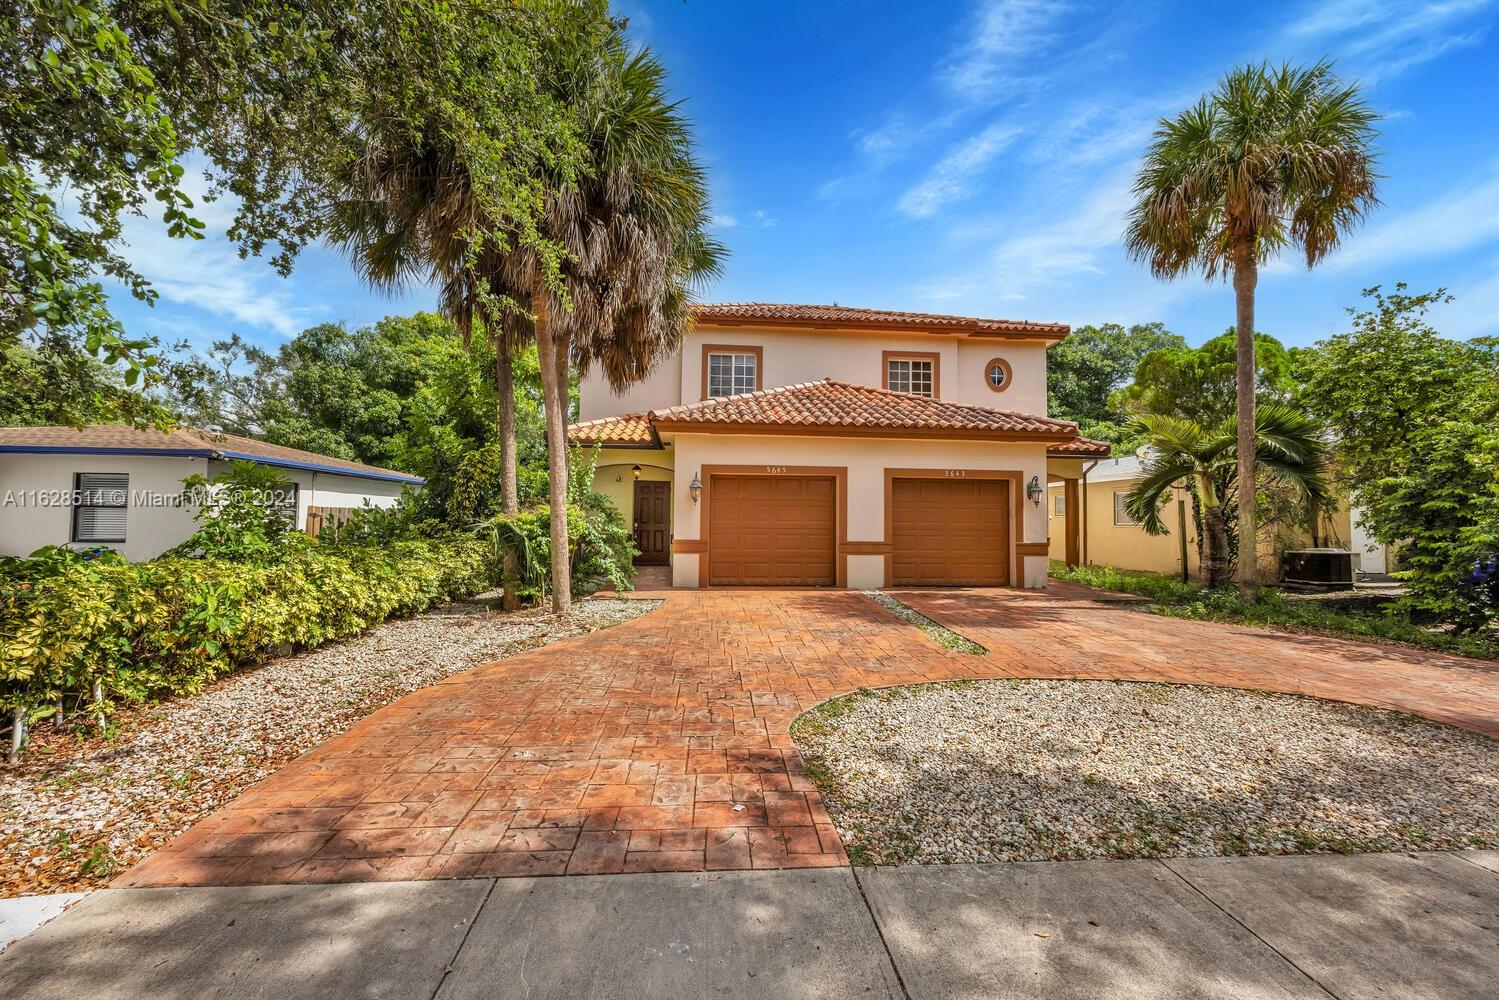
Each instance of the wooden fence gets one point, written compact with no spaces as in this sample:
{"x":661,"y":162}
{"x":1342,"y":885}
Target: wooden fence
{"x":319,"y":518}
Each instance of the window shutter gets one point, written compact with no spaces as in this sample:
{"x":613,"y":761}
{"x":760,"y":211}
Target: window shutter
{"x":102,"y":505}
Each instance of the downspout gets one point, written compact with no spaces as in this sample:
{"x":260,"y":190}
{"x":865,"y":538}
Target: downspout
{"x":1083,"y":509}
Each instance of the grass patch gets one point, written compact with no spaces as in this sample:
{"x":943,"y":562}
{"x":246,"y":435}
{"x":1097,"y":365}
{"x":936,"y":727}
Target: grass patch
{"x":1272,"y":609}
{"x":943,"y":635}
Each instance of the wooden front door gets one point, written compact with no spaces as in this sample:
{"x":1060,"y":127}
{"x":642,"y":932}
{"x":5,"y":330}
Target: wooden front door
{"x":652,"y":522}
{"x":950,"y":532}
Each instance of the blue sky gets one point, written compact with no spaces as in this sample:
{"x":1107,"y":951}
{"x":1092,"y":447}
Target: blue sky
{"x":975,"y":157}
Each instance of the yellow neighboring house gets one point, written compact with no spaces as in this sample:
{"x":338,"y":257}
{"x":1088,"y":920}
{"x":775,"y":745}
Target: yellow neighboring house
{"x":1109,"y":537}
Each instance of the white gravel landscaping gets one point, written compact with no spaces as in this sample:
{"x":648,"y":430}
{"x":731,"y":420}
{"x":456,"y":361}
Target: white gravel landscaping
{"x":80,"y":809}
{"x":981,"y":771}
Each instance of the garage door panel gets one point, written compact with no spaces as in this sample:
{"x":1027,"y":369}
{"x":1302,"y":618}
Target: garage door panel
{"x":772,"y":530}
{"x":953,"y":532}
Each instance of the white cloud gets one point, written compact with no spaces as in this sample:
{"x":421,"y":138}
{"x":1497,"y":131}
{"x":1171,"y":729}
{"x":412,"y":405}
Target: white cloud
{"x":1002,"y":33}
{"x":763,"y":218}
{"x":723,"y":220}
{"x":1376,"y":39}
{"x":1459,"y":219}
{"x":950,"y":179}
{"x":1474,"y":310}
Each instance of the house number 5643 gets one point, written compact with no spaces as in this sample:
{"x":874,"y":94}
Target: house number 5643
{"x":955,"y":473}
{"x":775,"y":470}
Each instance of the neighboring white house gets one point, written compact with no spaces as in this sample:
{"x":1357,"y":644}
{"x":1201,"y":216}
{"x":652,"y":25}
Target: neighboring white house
{"x":120,"y":487}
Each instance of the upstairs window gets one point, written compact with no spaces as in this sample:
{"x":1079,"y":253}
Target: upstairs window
{"x":730,"y":372}
{"x":998,"y":374}
{"x":100,"y":502}
{"x":915,"y":374}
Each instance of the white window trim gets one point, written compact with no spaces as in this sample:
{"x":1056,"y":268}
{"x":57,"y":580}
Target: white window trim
{"x":1119,"y":511}
{"x":740,"y":362}
{"x":911,"y":367}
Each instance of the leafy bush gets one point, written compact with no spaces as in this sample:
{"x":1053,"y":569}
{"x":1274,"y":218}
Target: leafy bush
{"x":70,"y":621}
{"x":241,"y":515}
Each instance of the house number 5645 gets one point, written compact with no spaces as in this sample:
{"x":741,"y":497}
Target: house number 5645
{"x":775,"y":470}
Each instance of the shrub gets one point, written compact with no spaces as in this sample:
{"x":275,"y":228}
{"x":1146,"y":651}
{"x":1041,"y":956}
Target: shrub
{"x":76,"y":624}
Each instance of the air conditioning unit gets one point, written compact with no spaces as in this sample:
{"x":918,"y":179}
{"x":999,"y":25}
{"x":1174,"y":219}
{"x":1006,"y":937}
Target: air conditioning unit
{"x":1317,"y":569}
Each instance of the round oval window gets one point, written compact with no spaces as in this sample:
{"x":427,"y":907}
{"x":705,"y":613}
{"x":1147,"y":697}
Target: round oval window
{"x":997,"y":374}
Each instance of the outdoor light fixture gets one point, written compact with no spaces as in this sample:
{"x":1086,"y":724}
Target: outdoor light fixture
{"x":1033,"y":491}
{"x":695,"y":487}
{"x":636,"y":470}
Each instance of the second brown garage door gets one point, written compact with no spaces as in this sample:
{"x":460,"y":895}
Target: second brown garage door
{"x":772,"y":530}
{"x":950,"y":532}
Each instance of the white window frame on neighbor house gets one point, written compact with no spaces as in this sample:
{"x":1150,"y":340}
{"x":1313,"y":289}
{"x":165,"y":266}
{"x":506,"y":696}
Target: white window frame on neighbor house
{"x":730,"y":372}
{"x":912,"y":374}
{"x":1059,"y":508}
{"x":88,"y":494}
{"x":1121,"y":516}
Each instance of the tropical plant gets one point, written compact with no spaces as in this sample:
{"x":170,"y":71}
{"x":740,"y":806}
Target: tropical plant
{"x":1198,"y":383}
{"x":1289,"y":452}
{"x":633,"y":230}
{"x":242,"y":515}
{"x":1274,"y":158}
{"x":1416,"y":421}
{"x":278,"y":96}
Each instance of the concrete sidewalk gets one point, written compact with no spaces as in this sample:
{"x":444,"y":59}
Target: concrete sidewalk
{"x":1389,"y":925}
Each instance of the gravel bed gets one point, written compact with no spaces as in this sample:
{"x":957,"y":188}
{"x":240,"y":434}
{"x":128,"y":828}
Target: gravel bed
{"x":978,"y":771}
{"x":81,"y":808}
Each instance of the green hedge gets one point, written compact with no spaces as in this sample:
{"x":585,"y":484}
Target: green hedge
{"x":69,"y":622}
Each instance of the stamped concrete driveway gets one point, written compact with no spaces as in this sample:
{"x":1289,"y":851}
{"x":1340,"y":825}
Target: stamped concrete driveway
{"x":663,"y":744}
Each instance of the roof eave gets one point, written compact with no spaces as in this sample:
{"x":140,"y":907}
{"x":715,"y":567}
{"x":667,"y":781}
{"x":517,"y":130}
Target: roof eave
{"x":837,"y":430}
{"x":1047,"y":335}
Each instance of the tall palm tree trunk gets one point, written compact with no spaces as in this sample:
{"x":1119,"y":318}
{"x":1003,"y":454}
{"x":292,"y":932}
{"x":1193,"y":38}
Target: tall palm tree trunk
{"x":1246,"y":276}
{"x":504,"y":381}
{"x":554,"y":406}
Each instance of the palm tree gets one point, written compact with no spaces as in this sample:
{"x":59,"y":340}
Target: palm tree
{"x":1289,"y":450}
{"x":632,"y":231}
{"x":1273,"y":158}
{"x":409,"y":213}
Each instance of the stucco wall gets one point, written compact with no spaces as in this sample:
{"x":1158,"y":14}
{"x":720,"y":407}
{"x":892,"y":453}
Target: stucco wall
{"x":613,"y":474}
{"x":658,"y":390}
{"x":866,"y":461}
{"x":1129,"y":547}
{"x":325,"y":489}
{"x":150,"y":529}
{"x":27,"y":523}
{"x":791,"y":357}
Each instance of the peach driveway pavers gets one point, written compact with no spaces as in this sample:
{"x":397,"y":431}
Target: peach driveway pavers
{"x":663,"y":744}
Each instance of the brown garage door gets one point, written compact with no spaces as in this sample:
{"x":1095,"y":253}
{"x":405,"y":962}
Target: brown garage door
{"x":952,"y":532}
{"x":771,"y":530}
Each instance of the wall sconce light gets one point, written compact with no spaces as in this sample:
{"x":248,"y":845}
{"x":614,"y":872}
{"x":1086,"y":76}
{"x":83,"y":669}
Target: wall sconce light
{"x":1033,"y":491}
{"x":695,"y":488}
{"x":636,"y":471}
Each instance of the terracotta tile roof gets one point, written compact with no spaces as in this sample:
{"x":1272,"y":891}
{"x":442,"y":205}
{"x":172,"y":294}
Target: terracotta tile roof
{"x":834,"y":317}
{"x":1081,"y":448}
{"x":189,"y":441}
{"x":844,"y":406}
{"x":627,"y":430}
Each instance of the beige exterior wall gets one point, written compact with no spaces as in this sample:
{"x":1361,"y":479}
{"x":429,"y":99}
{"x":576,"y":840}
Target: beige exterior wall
{"x":1129,"y":547}
{"x":613,"y":474}
{"x":793,"y":356}
{"x":866,"y":460}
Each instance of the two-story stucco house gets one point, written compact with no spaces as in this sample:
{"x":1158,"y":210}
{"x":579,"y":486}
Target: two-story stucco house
{"x":795,"y":445}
